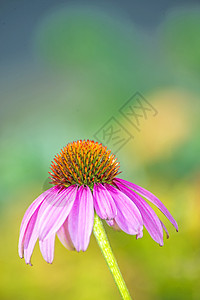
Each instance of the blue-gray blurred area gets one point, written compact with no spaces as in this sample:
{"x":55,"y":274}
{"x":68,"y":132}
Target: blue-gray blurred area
{"x":67,"y":68}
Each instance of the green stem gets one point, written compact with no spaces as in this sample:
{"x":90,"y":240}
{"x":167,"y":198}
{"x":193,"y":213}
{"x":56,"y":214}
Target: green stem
{"x":105,"y":247}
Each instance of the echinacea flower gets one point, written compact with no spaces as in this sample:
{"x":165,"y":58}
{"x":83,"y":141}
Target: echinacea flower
{"x":85,"y":182}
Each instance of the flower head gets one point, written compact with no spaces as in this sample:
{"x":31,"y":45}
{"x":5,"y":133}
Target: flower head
{"x":84,"y":163}
{"x":84,"y":178}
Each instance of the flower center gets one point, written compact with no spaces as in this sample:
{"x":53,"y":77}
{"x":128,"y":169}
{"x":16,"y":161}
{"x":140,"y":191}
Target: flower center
{"x":84,"y":162}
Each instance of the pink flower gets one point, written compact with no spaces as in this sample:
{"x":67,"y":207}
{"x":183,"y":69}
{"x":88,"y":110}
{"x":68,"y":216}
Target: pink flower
{"x":84,"y":174}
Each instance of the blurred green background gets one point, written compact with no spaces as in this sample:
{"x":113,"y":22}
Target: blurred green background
{"x":66,"y":68}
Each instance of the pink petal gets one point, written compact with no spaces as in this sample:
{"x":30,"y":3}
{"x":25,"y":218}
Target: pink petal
{"x":165,"y":229}
{"x":152,"y":198}
{"x":53,"y":213}
{"x":103,"y":203}
{"x":81,"y":219}
{"x":128,"y":216}
{"x":47,"y":248}
{"x":64,"y":237}
{"x":150,"y":219}
{"x":28,"y":214}
{"x":31,"y":236}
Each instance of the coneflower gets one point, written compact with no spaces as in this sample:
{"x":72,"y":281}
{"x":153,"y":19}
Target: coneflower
{"x":86,"y":187}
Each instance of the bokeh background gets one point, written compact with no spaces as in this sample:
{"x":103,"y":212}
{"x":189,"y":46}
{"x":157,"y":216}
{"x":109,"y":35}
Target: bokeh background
{"x":66,"y":68}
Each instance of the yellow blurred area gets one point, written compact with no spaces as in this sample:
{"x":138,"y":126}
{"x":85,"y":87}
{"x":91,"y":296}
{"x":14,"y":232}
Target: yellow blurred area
{"x":161,"y":134}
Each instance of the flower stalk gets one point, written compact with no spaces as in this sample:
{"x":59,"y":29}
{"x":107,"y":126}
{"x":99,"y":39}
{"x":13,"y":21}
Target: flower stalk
{"x":105,"y":247}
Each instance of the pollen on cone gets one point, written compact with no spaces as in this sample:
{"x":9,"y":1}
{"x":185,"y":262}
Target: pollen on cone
{"x":84,"y":162}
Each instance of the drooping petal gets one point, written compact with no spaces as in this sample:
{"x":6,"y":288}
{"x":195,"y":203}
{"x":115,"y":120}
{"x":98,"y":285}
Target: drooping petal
{"x":81,"y":219}
{"x":47,"y":248}
{"x":150,"y":219}
{"x":152,"y":198}
{"x":165,"y":229}
{"x":28,"y":214}
{"x":104,"y":204}
{"x":54,"y":213}
{"x":30,"y":237}
{"x":64,"y":236}
{"x":128,"y":216}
